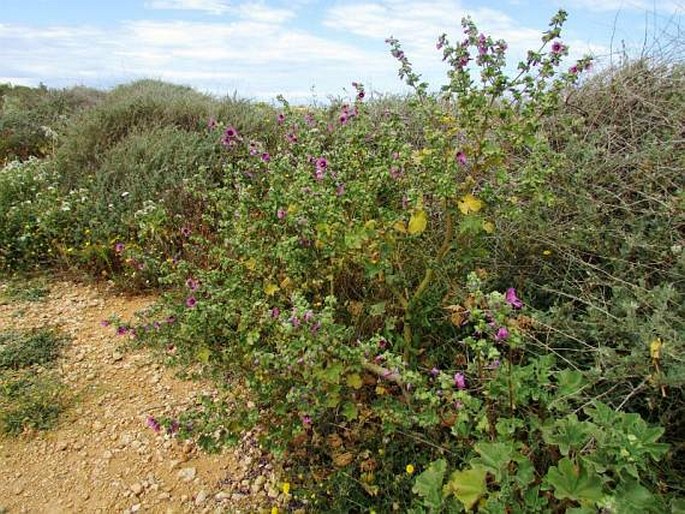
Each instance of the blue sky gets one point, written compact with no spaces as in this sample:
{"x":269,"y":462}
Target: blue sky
{"x":304,"y":49}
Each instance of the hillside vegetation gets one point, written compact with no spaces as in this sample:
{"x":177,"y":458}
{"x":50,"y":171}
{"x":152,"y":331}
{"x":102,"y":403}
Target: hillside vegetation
{"x":470,"y":300}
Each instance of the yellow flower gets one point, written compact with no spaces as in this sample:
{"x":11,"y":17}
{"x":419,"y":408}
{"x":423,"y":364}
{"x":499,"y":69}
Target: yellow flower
{"x":547,"y":252}
{"x":410,"y":469}
{"x":274,"y":510}
{"x":286,"y":488}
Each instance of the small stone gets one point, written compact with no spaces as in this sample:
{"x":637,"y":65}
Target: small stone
{"x":135,"y":444}
{"x":187,"y":474}
{"x":163,"y":496}
{"x":117,"y":356}
{"x":107,"y":455}
{"x":200,"y":498}
{"x":135,"y":508}
{"x":260,"y":480}
{"x":18,"y":490}
{"x":221,"y":496}
{"x":137,"y":488}
{"x":61,"y":446}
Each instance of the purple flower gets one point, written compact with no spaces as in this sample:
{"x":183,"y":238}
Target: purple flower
{"x":192,"y":284}
{"x":434,"y":372}
{"x":494,"y":364}
{"x":573,"y":70}
{"x":461,"y":158}
{"x":211,"y":123}
{"x":275,"y":312}
{"x":153,"y":424}
{"x":191,"y":302}
{"x":230,"y":136}
{"x":291,"y":137}
{"x":307,"y":421}
{"x":280,"y":118}
{"x":460,"y":381}
{"x":173,"y":427}
{"x":156,"y":325}
{"x":171,"y":319}
{"x":501,"y":334}
{"x":360,"y":95}
{"x":281,"y":213}
{"x":266,"y":157}
{"x":558,"y":47}
{"x":395,"y":172}
{"x":511,"y":298}
{"x":119,"y":247}
{"x":321,"y":163}
{"x":295,"y":321}
{"x":104,"y":323}
{"x":122,"y":330}
{"x":185,"y":231}
{"x":340,"y":190}
{"x":315,"y":327}
{"x":308,"y":316}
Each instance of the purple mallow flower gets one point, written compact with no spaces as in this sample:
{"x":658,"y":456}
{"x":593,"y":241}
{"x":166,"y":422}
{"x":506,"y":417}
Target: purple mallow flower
{"x":191,"y":301}
{"x":460,"y":381}
{"x":119,"y":247}
{"x":153,"y":424}
{"x":558,"y":47}
{"x":513,"y":300}
{"x":192,"y":284}
{"x":280,"y":118}
{"x":501,"y":334}
{"x":281,"y":213}
{"x":266,"y":157}
{"x":275,"y":312}
{"x":185,"y":231}
{"x":306,"y":421}
{"x":461,"y":158}
{"x":211,"y":123}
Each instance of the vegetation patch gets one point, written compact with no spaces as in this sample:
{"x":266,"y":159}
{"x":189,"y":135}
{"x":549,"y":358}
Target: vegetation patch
{"x":31,"y":395}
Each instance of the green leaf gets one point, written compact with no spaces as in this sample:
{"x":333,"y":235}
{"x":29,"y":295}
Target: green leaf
{"x":569,"y":433}
{"x":632,"y":498}
{"x":350,"y":411}
{"x":468,"y":486}
{"x":429,"y":483}
{"x":574,"y":482}
{"x":570,"y":382}
{"x":494,"y":457}
{"x":354,"y":381}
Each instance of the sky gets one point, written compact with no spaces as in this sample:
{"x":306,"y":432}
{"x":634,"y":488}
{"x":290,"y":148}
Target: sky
{"x":306,"y":50}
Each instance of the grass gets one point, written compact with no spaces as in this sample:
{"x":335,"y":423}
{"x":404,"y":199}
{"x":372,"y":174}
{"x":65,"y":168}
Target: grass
{"x":31,"y":395}
{"x":32,"y":290}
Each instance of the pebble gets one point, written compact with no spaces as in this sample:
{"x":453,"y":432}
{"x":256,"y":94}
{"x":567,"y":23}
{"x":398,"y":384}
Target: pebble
{"x":117,"y":356}
{"x":187,"y":474}
{"x":61,"y":446}
{"x":163,"y":496}
{"x":137,"y":488}
{"x":135,"y":508}
{"x":200,"y":498}
{"x":222,"y":495}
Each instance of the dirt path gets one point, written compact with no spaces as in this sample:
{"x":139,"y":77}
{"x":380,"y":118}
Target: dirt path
{"x":102,"y":456}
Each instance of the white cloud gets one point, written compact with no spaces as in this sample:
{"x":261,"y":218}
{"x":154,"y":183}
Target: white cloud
{"x":216,"y":7}
{"x":669,"y":6}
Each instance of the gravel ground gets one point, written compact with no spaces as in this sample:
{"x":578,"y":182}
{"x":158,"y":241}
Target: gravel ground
{"x":102,"y":457}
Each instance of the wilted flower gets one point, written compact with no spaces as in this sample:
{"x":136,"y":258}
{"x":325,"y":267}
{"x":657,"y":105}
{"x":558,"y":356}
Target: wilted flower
{"x":511,"y":298}
{"x":191,"y":301}
{"x":315,"y":327}
{"x":307,"y":421}
{"x":211,"y":123}
{"x":280,"y":118}
{"x":308,"y":316}
{"x":460,"y":381}
{"x":171,"y":319}
{"x":104,"y":323}
{"x":122,"y":330}
{"x":281,"y":213}
{"x":185,"y":231}
{"x":340,"y":190}
{"x":275,"y":312}
{"x":295,"y":321}
{"x":266,"y":157}
{"x":119,"y":247}
{"x":291,"y":137}
{"x":434,"y":372}
{"x":192,"y":284}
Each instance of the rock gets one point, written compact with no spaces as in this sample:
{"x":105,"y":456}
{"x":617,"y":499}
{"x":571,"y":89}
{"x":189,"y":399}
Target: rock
{"x":187,"y":474}
{"x":117,"y":356}
{"x":18,"y":490}
{"x":221,"y":496}
{"x":260,"y":481}
{"x":163,"y":496}
{"x":107,"y":455}
{"x":61,"y":446}
{"x":200,"y":498}
{"x":135,"y":508}
{"x":273,"y":493}
{"x":137,"y":488}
